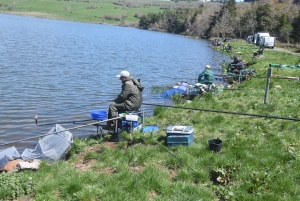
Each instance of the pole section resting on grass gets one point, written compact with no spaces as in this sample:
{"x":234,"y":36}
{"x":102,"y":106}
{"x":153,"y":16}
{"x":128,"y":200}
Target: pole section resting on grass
{"x":226,"y":112}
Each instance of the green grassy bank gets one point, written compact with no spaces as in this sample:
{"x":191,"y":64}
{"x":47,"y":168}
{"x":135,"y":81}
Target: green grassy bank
{"x":96,"y":11}
{"x":259,"y":158}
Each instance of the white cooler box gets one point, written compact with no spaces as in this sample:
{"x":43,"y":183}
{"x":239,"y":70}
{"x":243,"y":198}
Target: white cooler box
{"x":179,"y":130}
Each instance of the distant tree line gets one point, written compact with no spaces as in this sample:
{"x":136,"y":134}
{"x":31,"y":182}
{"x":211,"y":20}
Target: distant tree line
{"x":230,"y":20}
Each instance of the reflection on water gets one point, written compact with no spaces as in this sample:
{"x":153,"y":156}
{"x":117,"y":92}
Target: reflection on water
{"x":62,"y":70}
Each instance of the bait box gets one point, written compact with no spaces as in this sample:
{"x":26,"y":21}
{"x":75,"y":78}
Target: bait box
{"x":176,"y":140}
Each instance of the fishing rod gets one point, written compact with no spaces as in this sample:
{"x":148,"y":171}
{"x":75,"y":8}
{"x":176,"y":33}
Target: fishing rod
{"x":77,"y":127}
{"x":226,"y":112}
{"x":195,"y":79}
{"x":233,"y":89}
{"x":283,"y":78}
{"x":273,"y":77}
{"x":81,"y":106}
{"x":160,"y":90}
{"x":65,"y":122}
{"x":165,"y":149}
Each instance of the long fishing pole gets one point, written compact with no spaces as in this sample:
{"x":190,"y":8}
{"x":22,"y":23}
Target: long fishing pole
{"x":81,"y":106}
{"x":283,"y":78}
{"x":226,"y":112}
{"x":273,"y":77}
{"x":77,"y":127}
{"x":65,"y":122}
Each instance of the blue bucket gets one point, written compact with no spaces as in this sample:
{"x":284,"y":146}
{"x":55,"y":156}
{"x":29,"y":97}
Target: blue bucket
{"x":98,"y":114}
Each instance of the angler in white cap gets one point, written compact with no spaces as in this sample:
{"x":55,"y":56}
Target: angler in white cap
{"x":129,"y":99}
{"x":208,"y":76}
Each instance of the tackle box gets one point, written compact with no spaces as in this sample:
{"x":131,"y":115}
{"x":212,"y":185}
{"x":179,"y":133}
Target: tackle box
{"x":179,"y":130}
{"x":176,"y":140}
{"x":130,"y":123}
{"x":131,"y":117}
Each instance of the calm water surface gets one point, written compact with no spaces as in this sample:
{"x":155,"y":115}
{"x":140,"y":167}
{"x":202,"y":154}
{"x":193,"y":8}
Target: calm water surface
{"x":62,"y":70}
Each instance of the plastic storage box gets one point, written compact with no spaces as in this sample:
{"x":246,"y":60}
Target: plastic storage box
{"x":131,"y":117}
{"x":176,"y":140}
{"x":130,"y":123}
{"x":179,"y":130}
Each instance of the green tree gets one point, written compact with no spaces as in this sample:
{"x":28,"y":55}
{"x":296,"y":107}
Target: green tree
{"x":285,"y":28}
{"x":264,"y":18}
{"x":224,"y":23}
{"x":231,"y":6}
{"x":144,"y":22}
{"x":296,"y":29}
{"x":248,"y":22}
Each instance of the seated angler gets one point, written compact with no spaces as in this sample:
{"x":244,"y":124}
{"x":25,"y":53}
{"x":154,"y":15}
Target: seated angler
{"x":208,"y":76}
{"x":228,"y":47}
{"x":232,"y":66}
{"x":129,"y":99}
{"x":206,"y":83}
{"x":239,"y":66}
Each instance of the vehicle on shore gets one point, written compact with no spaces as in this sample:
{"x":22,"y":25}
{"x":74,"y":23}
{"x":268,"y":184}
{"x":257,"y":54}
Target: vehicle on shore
{"x":268,"y":42}
{"x":258,"y":37}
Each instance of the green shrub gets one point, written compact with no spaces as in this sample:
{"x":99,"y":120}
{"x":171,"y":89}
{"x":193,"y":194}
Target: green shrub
{"x":15,"y":185}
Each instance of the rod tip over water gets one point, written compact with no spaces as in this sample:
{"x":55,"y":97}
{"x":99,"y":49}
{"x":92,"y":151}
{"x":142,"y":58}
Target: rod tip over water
{"x":35,"y":118}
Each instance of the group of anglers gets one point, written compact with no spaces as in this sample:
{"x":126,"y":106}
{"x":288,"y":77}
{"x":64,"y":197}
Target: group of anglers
{"x":130,"y":98}
{"x":219,"y":43}
{"x":207,"y":76}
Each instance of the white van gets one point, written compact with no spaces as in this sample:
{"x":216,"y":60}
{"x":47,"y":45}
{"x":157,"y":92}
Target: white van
{"x":268,"y":42}
{"x":258,"y":36}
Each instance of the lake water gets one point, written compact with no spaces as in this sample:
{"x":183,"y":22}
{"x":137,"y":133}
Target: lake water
{"x":62,"y":70}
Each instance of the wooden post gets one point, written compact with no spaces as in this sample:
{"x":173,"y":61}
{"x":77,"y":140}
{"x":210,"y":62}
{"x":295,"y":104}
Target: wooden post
{"x":268,"y":84}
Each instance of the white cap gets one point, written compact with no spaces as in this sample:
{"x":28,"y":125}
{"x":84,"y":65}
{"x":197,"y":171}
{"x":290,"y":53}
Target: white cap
{"x":124,"y":74}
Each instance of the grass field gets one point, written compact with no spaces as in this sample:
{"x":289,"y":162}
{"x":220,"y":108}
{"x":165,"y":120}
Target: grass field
{"x":259,"y":158}
{"x":96,"y":11}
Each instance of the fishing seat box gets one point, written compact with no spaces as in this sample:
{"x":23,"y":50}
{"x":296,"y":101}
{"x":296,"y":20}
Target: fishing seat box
{"x":176,"y":140}
{"x":180,"y":135}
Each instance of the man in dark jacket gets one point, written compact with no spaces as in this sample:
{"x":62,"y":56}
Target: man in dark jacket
{"x":129,"y":99}
{"x":236,"y":65}
{"x":208,"y":75}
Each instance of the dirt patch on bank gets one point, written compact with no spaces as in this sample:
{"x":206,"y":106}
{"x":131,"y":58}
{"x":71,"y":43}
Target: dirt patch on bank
{"x":279,"y":49}
{"x":83,"y":165}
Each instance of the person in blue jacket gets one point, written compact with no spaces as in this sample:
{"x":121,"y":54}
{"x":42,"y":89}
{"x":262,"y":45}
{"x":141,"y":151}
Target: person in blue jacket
{"x":208,"y":76}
